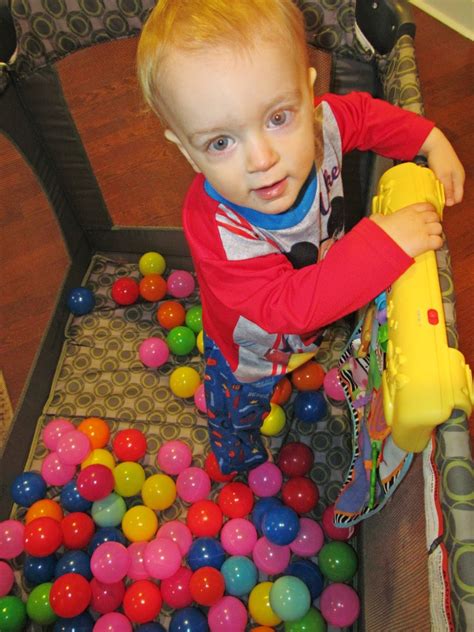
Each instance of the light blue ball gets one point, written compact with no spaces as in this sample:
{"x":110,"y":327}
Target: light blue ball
{"x":289,"y":598}
{"x":240,"y":575}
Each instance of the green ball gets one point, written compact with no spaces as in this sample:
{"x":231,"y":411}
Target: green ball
{"x":338,"y":561}
{"x":311,"y":622}
{"x":12,"y":614}
{"x":109,"y":511}
{"x":38,"y":607}
{"x":290,"y":598}
{"x":181,"y":340}
{"x":194,"y":318}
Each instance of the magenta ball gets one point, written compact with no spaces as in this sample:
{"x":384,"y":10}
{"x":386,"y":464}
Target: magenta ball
{"x":265,"y":480}
{"x":339,"y":605}
{"x":229,"y":613}
{"x":175,"y":589}
{"x":55,"y":472}
{"x":174,"y":456}
{"x":333,"y":532}
{"x":179,"y":533}
{"x":309,"y":540}
{"x":193,"y":484}
{"x":153,"y":352}
{"x":12,"y":534}
{"x":73,"y":447}
{"x":110,"y":562}
{"x":238,"y":536}
{"x":332,"y":386}
{"x":200,"y":398}
{"x":136,"y":552}
{"x":95,"y":482}
{"x":270,"y":558}
{"x":113,"y":622}
{"x":54,"y":430}
{"x":180,"y":283}
{"x":7,"y":578}
{"x":162,"y":558}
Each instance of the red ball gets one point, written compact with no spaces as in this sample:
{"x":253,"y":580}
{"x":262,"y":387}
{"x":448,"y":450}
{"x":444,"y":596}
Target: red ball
{"x":301,"y":494}
{"x":152,"y":287}
{"x":70,"y":595}
{"x":129,"y":445}
{"x":207,"y":586}
{"x":236,"y":500}
{"x":212,"y":468}
{"x":295,"y":459}
{"x":175,"y":589}
{"x":142,"y":601}
{"x":106,"y":597}
{"x":125,"y":291}
{"x":43,"y":536}
{"x":335,"y":533}
{"x":95,"y":482}
{"x":204,"y":519}
{"x":78,"y":529}
{"x":282,"y":392}
{"x":308,"y":376}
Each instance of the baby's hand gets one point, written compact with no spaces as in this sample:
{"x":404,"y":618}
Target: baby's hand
{"x":447,"y":167}
{"x":415,"y":228}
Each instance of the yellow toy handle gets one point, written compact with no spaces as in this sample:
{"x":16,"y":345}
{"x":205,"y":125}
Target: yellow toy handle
{"x":424,"y":379}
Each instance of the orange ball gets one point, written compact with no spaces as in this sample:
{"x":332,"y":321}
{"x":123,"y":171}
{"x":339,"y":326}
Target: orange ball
{"x":45,"y":508}
{"x":152,"y":287}
{"x":97,"y":430}
{"x":308,"y":377}
{"x":263,"y":628}
{"x":282,"y":392}
{"x":171,"y":314}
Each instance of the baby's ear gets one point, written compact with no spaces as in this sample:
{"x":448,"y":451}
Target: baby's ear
{"x":312,"y":77}
{"x":171,"y":136}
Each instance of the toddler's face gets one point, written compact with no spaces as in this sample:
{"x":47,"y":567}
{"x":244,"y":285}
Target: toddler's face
{"x":245,"y":120}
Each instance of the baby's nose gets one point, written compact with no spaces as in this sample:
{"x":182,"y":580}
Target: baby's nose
{"x":261,"y":154}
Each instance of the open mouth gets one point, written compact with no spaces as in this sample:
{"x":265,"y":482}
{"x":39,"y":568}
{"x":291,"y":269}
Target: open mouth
{"x":273,"y":190}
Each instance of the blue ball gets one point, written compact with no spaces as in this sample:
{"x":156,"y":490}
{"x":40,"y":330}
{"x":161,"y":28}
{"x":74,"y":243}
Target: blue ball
{"x":39,"y":570}
{"x":310,"y":574}
{"x":80,"y":301}
{"x":27,"y":488}
{"x":206,"y":552}
{"x":240,"y":575}
{"x":280,"y":525}
{"x":150,"y":627}
{"x":188,"y":620}
{"x":71,"y":500}
{"x":82,"y":623}
{"x":105,"y":534}
{"x":310,"y":406}
{"x":261,"y":507}
{"x":74,"y":562}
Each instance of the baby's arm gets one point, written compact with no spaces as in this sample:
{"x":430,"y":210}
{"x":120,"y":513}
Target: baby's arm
{"x":447,"y":167}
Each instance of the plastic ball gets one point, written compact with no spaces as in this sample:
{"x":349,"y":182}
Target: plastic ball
{"x":181,"y":283}
{"x":152,"y":287}
{"x":74,"y":562}
{"x":151,"y":263}
{"x":207,"y":586}
{"x":184,"y":381}
{"x":38,"y":570}
{"x":265,"y":480}
{"x":11,"y":538}
{"x":211,"y":466}
{"x":142,"y":601}
{"x":181,"y":340}
{"x":43,"y":536}
{"x":82,"y":623}
{"x":174,"y":456}
{"x":12,"y":614}
{"x":282,"y":392}
{"x":109,"y":511}
{"x":295,"y":459}
{"x":129,"y":445}
{"x":193,"y":484}
{"x":99,"y":456}
{"x":71,"y":500}
{"x":229,"y":613}
{"x":206,"y":552}
{"x":139,"y":523}
{"x":136,"y":552}
{"x":309,"y":573}
{"x":338,"y":561}
{"x":204,"y":518}
{"x":7,"y":578}
{"x":27,"y":488}
{"x":236,"y":500}
{"x":178,"y":532}
{"x":80,"y":301}
{"x":153,"y":352}
{"x":309,"y":540}
{"x":280,"y":525}
{"x":238,"y":536}
{"x":301,"y":494}
{"x":129,"y":478}
{"x":162,"y":558}
{"x":311,"y":622}
{"x":110,"y":562}
{"x":125,"y":291}
{"x":55,"y":472}
{"x":97,"y":430}
{"x":310,"y":406}
{"x":105,"y":534}
{"x":289,"y":598}
{"x":150,"y":627}
{"x":240,"y":575}
{"x":261,"y":507}
{"x":274,"y":422}
{"x":188,"y":620}
{"x":308,"y":377}
{"x":70,"y":595}
{"x":159,"y":492}
{"x":175,"y":589}
{"x":333,"y":532}
{"x":270,"y":558}
{"x":78,"y":529}
{"x":106,"y":597}
{"x":170,"y":314}
{"x":54,"y":430}
{"x":340,"y":605}
{"x":259,"y":605}
{"x":263,"y":628}
{"x":200,"y":398}
{"x":193,"y":318}
{"x":113,"y":622}
{"x":73,"y":447}
{"x":44,"y":508}
{"x":38,"y":607}
{"x":95,"y":482}
{"x":200,"y":341}
{"x":332,"y":385}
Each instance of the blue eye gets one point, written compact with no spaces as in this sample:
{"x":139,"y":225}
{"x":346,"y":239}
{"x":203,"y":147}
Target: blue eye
{"x":220,"y":144}
{"x":279,"y":118}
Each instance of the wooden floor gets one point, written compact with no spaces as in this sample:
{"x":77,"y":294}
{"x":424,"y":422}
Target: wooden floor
{"x":33,"y":258}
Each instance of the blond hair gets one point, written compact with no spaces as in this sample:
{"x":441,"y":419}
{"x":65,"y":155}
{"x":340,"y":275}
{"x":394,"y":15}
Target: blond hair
{"x":196,"y":25}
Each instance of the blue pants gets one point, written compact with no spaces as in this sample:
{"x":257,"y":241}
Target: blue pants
{"x":235,"y":413}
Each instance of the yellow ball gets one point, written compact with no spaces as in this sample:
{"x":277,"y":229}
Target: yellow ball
{"x":99,"y":456}
{"x":139,"y":524}
{"x":129,"y":478}
{"x":259,"y":605}
{"x":159,"y":492}
{"x":200,"y":341}
{"x":152,"y":263}
{"x":184,"y":381}
{"x":274,"y":422}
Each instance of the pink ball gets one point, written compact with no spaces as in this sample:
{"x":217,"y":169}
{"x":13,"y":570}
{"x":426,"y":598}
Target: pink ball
{"x":332,"y":386}
{"x":333,"y":532}
{"x":12,"y":533}
{"x":95,"y":482}
{"x":7,"y":578}
{"x":200,"y":398}
{"x":153,"y":352}
{"x":265,"y":480}
{"x":73,"y":447}
{"x":110,"y":562}
{"x":54,"y":430}
{"x":106,"y":597}
{"x":55,"y":472}
{"x":162,"y":558}
{"x":136,"y":552}
{"x":179,"y":533}
{"x":229,"y":613}
{"x":175,"y":589}
{"x":339,"y":605}
{"x":193,"y":484}
{"x":270,"y":558}
{"x":238,"y":536}
{"x":113,"y":622}
{"x":309,"y":540}
{"x":174,"y":456}
{"x":180,"y":283}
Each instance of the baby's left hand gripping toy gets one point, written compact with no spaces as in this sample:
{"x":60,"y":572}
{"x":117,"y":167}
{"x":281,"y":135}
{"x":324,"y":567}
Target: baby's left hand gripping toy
{"x":424,"y":379}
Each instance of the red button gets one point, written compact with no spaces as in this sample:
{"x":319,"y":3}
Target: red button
{"x":433,"y":318}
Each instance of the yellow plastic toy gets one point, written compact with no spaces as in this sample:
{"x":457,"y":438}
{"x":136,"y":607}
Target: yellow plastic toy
{"x":424,"y":379}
